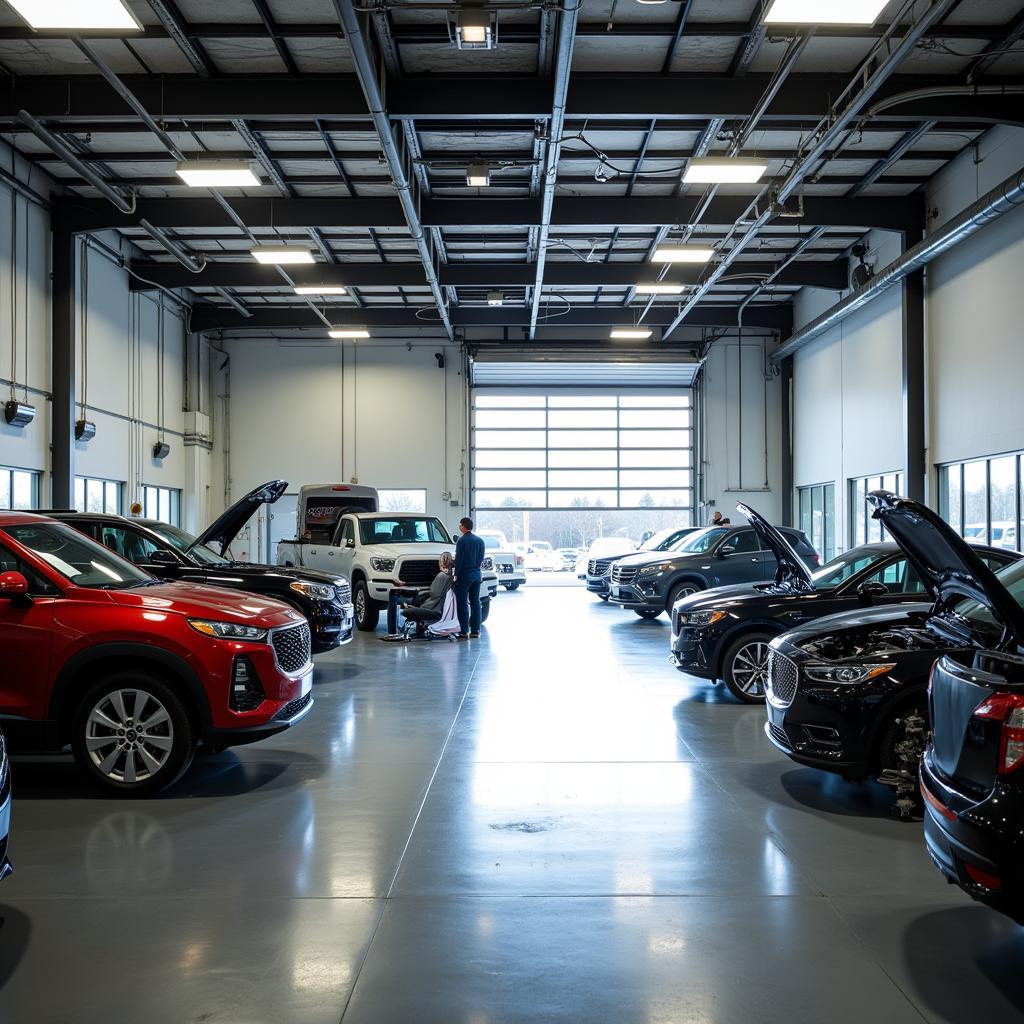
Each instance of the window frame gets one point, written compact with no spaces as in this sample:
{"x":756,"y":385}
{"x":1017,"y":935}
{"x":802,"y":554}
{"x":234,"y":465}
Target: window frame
{"x":825,"y":490}
{"x":34,"y":480}
{"x":173,"y":495}
{"x":858,"y":516}
{"x":947,"y":470}
{"x":84,"y":481}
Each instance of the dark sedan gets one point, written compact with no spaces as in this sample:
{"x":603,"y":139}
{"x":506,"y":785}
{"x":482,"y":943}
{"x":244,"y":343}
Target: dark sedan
{"x":725,"y":633}
{"x":172,"y":554}
{"x":848,"y":693}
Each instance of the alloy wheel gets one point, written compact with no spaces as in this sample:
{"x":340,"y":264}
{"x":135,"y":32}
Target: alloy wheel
{"x":750,"y":668}
{"x":129,"y":735}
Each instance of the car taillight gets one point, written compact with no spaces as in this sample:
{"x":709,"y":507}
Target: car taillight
{"x":1007,"y":708}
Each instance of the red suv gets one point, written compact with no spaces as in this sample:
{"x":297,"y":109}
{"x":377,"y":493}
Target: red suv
{"x":131,"y":672}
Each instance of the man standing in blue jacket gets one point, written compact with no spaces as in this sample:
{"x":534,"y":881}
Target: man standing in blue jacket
{"x":469,"y":556}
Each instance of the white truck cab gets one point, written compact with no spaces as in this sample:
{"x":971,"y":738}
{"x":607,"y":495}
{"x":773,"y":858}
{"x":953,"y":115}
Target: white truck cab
{"x":509,"y":564}
{"x":377,"y":549}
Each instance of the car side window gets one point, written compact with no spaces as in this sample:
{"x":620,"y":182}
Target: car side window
{"x":744,"y":542}
{"x":898,"y":577}
{"x":345,"y":533}
{"x":38,"y":586}
{"x":127,"y":543}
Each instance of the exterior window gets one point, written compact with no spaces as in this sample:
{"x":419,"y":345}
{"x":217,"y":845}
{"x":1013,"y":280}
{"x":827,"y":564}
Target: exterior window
{"x":402,"y":499}
{"x":98,"y":495}
{"x":864,"y":529}
{"x":19,"y":489}
{"x":818,"y":518}
{"x":982,"y":500}
{"x":163,"y":503}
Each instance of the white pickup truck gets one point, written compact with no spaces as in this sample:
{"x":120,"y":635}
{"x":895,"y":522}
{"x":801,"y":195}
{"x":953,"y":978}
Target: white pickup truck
{"x":374,"y":550}
{"x":509,"y":564}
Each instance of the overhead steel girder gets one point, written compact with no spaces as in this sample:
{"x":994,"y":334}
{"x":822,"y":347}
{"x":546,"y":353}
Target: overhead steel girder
{"x":75,"y":214}
{"x":208,"y":317}
{"x":690,"y":97}
{"x":818,"y":274}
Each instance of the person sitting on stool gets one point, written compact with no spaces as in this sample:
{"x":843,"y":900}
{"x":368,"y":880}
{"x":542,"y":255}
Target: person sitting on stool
{"x":433,"y":598}
{"x":469,"y":556}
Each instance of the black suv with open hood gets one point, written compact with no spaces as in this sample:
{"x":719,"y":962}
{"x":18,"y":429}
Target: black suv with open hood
{"x":848,"y":693}
{"x":724,"y":634}
{"x":172,"y":554}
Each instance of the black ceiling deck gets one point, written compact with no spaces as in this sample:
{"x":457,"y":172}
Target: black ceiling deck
{"x":646,"y":86}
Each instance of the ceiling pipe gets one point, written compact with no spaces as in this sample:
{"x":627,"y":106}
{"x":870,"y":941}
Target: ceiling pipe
{"x":1001,"y":200}
{"x":194,"y":264}
{"x":931,"y":92}
{"x":233,"y":302}
{"x":62,"y":150}
{"x":767,"y":202}
{"x":367,"y":74}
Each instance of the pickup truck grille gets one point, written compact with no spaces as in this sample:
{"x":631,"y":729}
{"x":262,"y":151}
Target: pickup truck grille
{"x":599,"y":566}
{"x":624,"y":574}
{"x":418,"y":570}
{"x":292,"y":646}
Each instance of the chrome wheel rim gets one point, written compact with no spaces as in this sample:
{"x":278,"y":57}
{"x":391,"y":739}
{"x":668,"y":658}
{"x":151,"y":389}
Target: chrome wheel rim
{"x":360,"y":604}
{"x":750,"y":668}
{"x":685,"y":592}
{"x":129,"y":735}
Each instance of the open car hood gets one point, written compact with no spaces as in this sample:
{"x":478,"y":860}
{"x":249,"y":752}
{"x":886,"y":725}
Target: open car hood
{"x":791,"y":568}
{"x":944,"y":560}
{"x":224,"y":529}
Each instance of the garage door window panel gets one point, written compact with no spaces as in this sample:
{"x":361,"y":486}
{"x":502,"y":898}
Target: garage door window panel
{"x":511,"y":459}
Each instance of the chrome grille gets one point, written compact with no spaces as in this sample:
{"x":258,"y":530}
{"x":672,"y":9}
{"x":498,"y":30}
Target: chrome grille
{"x":782,"y":679}
{"x":343,"y":592}
{"x":292,"y":646}
{"x":624,"y":573}
{"x":599,"y":566}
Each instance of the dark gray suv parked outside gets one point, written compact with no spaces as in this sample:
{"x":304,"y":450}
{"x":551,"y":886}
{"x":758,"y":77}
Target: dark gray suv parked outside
{"x":651,"y":582}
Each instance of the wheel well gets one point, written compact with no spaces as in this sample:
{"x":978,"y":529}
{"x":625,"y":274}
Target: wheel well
{"x":700,"y":583}
{"x":92,"y":671}
{"x":741,"y":632}
{"x":919,"y":695}
{"x":358,"y":576}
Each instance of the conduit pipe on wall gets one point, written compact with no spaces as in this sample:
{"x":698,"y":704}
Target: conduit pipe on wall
{"x":991,"y":206}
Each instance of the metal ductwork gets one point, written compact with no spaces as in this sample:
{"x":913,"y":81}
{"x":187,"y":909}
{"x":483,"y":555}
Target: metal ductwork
{"x":193,"y":263}
{"x":1002,"y":199}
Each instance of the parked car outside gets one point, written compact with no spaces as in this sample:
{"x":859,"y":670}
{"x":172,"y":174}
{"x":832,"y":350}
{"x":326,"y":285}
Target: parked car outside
{"x":133,"y":672}
{"x":5,"y":810}
{"x":569,"y":557}
{"x":725,"y":633}
{"x":652,"y":582}
{"x":509,"y":564}
{"x":541,"y":557}
{"x":170,"y":553}
{"x":972,"y":774}
{"x":847,"y":694}
{"x":603,"y":552}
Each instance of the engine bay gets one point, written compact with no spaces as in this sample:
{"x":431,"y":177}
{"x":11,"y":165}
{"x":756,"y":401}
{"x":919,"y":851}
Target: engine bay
{"x":868,"y":644}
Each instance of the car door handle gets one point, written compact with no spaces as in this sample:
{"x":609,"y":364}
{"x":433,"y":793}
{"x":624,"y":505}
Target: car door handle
{"x":331,"y":552}
{"x":755,"y":559}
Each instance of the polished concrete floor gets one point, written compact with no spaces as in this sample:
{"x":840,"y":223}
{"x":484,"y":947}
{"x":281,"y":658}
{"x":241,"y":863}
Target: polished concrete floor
{"x":548,"y":824}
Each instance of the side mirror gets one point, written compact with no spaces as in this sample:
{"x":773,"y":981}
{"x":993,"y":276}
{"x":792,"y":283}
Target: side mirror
{"x":165,"y":558}
{"x":728,"y":549}
{"x":13,"y":584}
{"x":871,"y":589}
{"x":350,"y":542}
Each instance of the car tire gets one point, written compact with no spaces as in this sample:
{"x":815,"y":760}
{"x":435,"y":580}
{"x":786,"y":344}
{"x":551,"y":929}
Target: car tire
{"x":745,"y":667}
{"x":366,"y":609}
{"x":681,"y":590}
{"x":648,"y":613}
{"x":485,"y":609}
{"x":510,"y":586}
{"x":114,"y":753}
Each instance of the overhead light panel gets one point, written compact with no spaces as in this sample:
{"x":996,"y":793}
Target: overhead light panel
{"x":348,"y":332}
{"x":825,"y":12}
{"x":723,"y":170}
{"x":77,"y":14}
{"x":217,"y":173}
{"x":474,"y":29}
{"x":631,"y":333}
{"x":478,"y":175}
{"x":495,"y":299}
{"x":660,"y":288}
{"x":320,"y":289}
{"x":282,"y":254}
{"x":682,"y":254}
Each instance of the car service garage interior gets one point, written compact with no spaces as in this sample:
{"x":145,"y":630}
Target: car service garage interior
{"x":511,"y":511}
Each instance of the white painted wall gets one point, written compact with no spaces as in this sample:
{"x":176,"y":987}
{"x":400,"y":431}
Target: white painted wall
{"x":734,"y":425}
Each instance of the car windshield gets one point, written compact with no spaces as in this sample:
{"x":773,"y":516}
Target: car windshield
{"x":842,"y":567}
{"x":403,"y":530}
{"x":1011,"y":577}
{"x":183,"y":542}
{"x":77,"y":558}
{"x":702,"y":540}
{"x":610,"y":546}
{"x":663,"y":540}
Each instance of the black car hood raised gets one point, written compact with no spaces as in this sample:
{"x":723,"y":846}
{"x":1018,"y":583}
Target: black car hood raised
{"x":224,"y":529}
{"x":791,"y":568}
{"x":944,"y":560}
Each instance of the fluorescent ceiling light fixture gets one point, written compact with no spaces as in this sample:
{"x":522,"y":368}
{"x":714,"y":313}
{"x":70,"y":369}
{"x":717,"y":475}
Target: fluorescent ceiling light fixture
{"x":495,"y":299}
{"x":216,"y":173}
{"x":682,"y":254}
{"x":320,"y":289}
{"x":473,"y":29}
{"x":77,"y":14}
{"x":281,"y":254}
{"x":631,"y":333}
{"x":825,"y":12}
{"x":660,"y":288}
{"x":349,"y":332}
{"x":478,"y":175}
{"x":723,"y":170}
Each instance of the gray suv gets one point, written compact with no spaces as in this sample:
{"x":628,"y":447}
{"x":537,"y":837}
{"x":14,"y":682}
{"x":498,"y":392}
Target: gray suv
{"x":650,"y":582}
